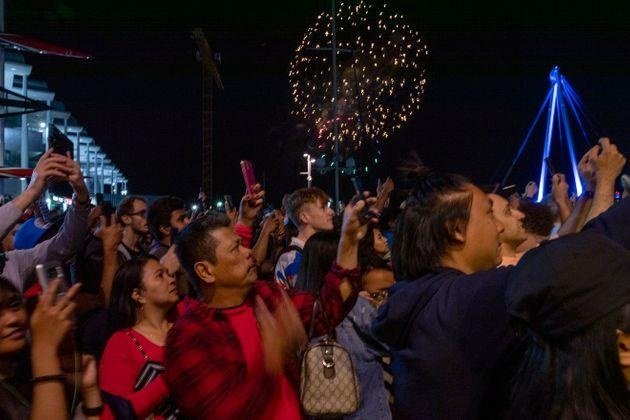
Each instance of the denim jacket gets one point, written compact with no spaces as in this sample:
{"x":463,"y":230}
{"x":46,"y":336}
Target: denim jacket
{"x":354,"y":334}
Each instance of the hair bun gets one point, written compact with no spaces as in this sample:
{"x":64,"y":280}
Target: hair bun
{"x":411,"y":172}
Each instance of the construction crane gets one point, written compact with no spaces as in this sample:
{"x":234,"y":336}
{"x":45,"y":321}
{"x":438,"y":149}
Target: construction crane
{"x":210,"y":77}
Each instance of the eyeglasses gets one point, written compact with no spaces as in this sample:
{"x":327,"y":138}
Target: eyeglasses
{"x":141,"y":213}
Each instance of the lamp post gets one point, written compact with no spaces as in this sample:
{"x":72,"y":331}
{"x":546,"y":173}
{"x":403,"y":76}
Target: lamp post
{"x":308,"y":173}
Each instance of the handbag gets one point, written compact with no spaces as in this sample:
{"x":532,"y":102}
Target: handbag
{"x":149,"y":372}
{"x":328,"y":381}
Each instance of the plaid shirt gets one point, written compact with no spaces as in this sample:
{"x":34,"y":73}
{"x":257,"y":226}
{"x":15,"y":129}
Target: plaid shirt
{"x":205,"y":365}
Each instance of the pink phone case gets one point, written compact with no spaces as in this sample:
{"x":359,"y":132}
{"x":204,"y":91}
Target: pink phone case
{"x":248,"y":175}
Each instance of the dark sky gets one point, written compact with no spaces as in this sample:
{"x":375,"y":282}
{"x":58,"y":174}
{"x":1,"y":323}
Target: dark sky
{"x":486,"y":77}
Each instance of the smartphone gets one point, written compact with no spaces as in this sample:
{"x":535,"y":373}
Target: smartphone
{"x":48,"y":272}
{"x":358,"y":187}
{"x":366,"y":214}
{"x":60,"y":143}
{"x":108,"y":209}
{"x":247,"y":168}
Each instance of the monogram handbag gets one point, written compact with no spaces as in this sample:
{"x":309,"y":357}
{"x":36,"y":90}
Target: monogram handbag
{"x":328,"y":382}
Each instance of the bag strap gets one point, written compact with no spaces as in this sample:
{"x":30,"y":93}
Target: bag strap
{"x":138,"y":345}
{"x":317,"y":305}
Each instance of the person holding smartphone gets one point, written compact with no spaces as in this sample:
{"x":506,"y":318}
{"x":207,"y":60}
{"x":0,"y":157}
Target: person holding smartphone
{"x":18,"y":265}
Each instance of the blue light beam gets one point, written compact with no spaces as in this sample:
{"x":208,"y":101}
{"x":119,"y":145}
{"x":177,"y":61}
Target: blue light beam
{"x":548,"y":135}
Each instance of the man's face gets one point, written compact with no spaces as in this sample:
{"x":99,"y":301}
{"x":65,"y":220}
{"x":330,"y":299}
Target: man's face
{"x":138,"y":217}
{"x":512,"y":219}
{"x":179,"y":219}
{"x":235,"y":266}
{"x":481,"y":248}
{"x":318,"y":215}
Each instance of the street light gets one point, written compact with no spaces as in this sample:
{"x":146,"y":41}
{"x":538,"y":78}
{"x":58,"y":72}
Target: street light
{"x":309,"y":163}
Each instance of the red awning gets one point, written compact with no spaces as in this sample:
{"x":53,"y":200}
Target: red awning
{"x":16,"y":172}
{"x":21,"y":43}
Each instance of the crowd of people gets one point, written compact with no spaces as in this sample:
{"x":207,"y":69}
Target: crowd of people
{"x":454,"y":300}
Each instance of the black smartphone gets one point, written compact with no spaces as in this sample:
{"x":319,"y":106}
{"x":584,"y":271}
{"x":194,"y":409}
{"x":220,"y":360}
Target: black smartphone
{"x":108,"y":209}
{"x":366,"y":214}
{"x":60,"y":143}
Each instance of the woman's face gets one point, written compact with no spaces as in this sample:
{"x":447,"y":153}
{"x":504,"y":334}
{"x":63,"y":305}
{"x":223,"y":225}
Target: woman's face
{"x":380,"y":243}
{"x":158,"y":287}
{"x":13,"y":325}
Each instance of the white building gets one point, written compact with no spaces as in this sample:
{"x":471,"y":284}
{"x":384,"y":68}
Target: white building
{"x":25,"y":136}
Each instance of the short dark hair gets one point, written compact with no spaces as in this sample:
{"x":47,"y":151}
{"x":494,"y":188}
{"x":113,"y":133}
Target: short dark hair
{"x":125,"y":207}
{"x":300,"y":197}
{"x":159,"y":214}
{"x":122,"y":308}
{"x":426,"y":227}
{"x":195,"y":243}
{"x":538,"y":217}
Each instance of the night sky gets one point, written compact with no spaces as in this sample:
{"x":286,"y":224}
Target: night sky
{"x":487,"y":74}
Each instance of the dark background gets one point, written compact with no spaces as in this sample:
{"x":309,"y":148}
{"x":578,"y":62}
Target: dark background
{"x":487,"y":75}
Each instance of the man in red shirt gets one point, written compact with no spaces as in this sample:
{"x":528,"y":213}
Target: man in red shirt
{"x":231,"y":355}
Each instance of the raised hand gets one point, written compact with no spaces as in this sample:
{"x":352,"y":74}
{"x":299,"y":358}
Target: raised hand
{"x":110,"y":233}
{"x":586,"y":168}
{"x":50,"y":165}
{"x":270,"y":223}
{"x":354,"y":225}
{"x":608,"y":163}
{"x":52,"y":320}
{"x":282,"y":333}
{"x":170,"y":261}
{"x":531,"y":189}
{"x":250,"y":206}
{"x":559,"y":188}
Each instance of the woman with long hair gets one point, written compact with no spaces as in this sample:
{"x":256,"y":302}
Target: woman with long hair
{"x":374,"y":257}
{"x":354,"y":331}
{"x":574,"y":316}
{"x":143,"y":297}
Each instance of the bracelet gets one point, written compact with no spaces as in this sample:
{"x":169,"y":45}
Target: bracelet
{"x":92,"y":411}
{"x":48,"y":378}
